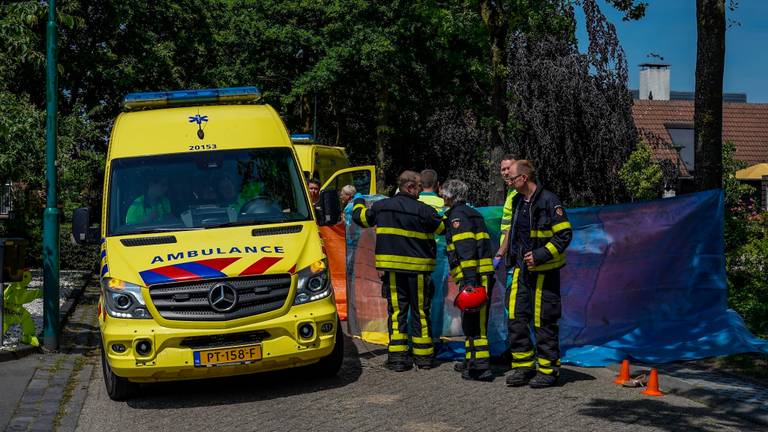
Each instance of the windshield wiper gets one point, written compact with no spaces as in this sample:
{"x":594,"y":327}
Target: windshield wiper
{"x":158,"y":230}
{"x":243,"y":223}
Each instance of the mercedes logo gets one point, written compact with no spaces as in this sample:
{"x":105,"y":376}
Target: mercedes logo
{"x":222,"y":297}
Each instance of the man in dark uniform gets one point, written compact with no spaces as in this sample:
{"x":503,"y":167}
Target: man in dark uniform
{"x":470,"y":255}
{"x":405,"y":253}
{"x":539,"y":234}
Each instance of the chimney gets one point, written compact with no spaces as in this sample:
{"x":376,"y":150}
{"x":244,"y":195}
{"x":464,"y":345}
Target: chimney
{"x":654,"y":81}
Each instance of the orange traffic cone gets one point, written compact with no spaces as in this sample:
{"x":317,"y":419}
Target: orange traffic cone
{"x":623,"y":376}
{"x":653,"y":385}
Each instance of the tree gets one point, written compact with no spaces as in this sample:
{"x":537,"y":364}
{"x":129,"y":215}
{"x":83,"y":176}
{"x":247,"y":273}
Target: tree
{"x":708,"y":106}
{"x":641,"y":175}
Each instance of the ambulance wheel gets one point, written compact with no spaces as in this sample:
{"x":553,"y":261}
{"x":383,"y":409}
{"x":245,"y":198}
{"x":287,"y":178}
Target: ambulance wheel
{"x":330,"y":365}
{"x":118,"y":388}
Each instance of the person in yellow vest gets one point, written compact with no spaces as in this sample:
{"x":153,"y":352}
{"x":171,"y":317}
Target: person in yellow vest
{"x":430,"y":188}
{"x":506,"y":217}
{"x":153,"y":206}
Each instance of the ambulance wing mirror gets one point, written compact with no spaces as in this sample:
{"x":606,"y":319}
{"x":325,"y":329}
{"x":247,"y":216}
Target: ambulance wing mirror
{"x":82,"y":231}
{"x":329,"y":209}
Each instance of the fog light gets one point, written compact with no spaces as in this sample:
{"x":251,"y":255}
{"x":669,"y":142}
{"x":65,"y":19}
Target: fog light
{"x":143,"y":347}
{"x":326,"y":327}
{"x":118,"y":348}
{"x":306,"y":331}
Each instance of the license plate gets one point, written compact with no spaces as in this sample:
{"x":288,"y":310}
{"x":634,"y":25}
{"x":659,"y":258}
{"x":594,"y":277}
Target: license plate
{"x":223,"y":356}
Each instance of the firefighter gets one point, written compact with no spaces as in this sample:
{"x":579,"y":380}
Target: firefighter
{"x":538,"y":236}
{"x":470,"y":255}
{"x":405,"y":253}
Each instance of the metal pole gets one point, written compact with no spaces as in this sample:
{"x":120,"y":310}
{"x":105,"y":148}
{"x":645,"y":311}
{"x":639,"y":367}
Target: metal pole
{"x":51,"y":214}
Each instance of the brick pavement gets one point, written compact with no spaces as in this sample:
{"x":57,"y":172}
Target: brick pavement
{"x":367,"y":397}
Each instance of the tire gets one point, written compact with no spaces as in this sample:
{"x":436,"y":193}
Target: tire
{"x":118,"y":388}
{"x":330,"y":365}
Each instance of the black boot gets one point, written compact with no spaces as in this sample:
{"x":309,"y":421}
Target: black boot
{"x":520,"y":376}
{"x":424,"y":362}
{"x":543,"y":380}
{"x":460,"y":366}
{"x":399,"y":363}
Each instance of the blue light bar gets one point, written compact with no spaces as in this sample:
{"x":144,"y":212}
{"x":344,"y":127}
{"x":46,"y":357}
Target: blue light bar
{"x":150,"y":100}
{"x":302,"y":138}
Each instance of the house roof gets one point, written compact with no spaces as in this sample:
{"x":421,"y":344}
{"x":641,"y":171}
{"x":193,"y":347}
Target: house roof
{"x":745,"y":124}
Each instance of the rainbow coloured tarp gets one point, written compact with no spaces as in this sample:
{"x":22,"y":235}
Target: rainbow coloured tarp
{"x":644,"y":281}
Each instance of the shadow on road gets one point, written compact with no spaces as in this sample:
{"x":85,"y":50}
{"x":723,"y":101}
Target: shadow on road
{"x":246,"y":388}
{"x":659,"y":414}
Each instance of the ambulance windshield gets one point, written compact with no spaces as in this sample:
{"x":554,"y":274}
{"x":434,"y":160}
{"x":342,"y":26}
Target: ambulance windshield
{"x":205,"y":189}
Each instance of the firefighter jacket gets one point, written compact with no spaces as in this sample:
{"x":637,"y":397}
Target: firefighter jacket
{"x":506,"y":214}
{"x":469,"y":249}
{"x":551,"y":232}
{"x":405,"y":232}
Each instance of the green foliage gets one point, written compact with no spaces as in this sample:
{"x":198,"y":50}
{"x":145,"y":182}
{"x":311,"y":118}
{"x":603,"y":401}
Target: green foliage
{"x":747,"y":267}
{"x":641,"y":175}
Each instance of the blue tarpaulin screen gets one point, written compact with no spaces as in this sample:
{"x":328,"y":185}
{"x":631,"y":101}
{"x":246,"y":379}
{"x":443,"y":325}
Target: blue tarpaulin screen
{"x":644,"y":281}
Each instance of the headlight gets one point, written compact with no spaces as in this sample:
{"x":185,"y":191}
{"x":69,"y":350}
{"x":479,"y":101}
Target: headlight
{"x":123,"y":299}
{"x":313,"y":283}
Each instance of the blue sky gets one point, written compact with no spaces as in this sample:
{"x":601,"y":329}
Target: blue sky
{"x":669,"y":29}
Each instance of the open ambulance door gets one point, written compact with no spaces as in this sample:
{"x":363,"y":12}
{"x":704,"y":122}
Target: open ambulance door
{"x":363,"y":178}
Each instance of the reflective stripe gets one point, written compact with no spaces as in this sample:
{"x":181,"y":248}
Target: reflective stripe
{"x":561,"y":226}
{"x":544,"y":362}
{"x":537,"y":301}
{"x":479,"y":342}
{"x":522,"y":355}
{"x":395,"y":308}
{"x":405,"y":233}
{"x":546,"y":371}
{"x":478,"y":354}
{"x":423,"y":351}
{"x":470,"y":235}
{"x":362,"y":214}
{"x":451,"y":247}
{"x":401,"y":262}
{"x":553,"y":250}
{"x":550,"y":265}
{"x":541,"y":234}
{"x":483,"y":317}
{"x":513,"y":293}
{"x":422,"y":314}
{"x":399,"y":336}
{"x":468,"y":263}
{"x":506,"y":221}
{"x":421,"y":340}
{"x":528,"y":364}
{"x":397,"y":348}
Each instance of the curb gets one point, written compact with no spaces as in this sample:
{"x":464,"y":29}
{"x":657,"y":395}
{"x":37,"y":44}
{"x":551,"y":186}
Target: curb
{"x":64,"y":314}
{"x":708,"y":397}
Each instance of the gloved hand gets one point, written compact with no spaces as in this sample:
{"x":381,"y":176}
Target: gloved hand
{"x":497,"y":261}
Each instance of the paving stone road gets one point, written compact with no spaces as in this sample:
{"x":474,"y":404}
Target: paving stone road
{"x":367,"y":397}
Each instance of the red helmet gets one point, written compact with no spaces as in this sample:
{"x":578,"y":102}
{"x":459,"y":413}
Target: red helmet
{"x":470,"y":298}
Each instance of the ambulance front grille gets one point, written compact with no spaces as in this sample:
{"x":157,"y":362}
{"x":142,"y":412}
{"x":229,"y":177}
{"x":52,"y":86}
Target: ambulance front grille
{"x":189,"y":301}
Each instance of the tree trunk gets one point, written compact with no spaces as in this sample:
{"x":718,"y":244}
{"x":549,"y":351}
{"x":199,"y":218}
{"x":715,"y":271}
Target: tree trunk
{"x":498,"y":26}
{"x":708,"y":110}
{"x":383,"y":132}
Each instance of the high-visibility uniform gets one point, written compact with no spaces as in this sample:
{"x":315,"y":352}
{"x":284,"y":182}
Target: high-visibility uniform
{"x":470,"y":255}
{"x":405,"y":252}
{"x":506,"y":214}
{"x":533,"y":293}
{"x":431,"y":199}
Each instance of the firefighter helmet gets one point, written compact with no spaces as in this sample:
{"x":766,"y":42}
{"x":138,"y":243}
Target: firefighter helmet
{"x":470,"y":298}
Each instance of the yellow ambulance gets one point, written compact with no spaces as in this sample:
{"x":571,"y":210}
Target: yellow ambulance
{"x":330,"y":165}
{"x":211,"y":262}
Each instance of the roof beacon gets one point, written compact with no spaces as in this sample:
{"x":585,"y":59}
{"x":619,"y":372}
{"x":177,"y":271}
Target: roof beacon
{"x":162,"y":99}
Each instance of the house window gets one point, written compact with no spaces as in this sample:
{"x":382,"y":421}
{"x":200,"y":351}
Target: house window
{"x":682,"y":139}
